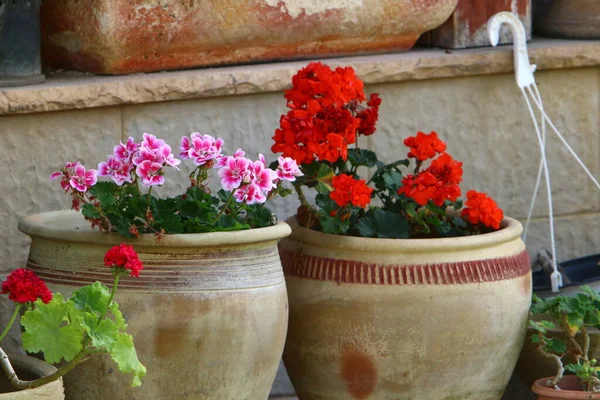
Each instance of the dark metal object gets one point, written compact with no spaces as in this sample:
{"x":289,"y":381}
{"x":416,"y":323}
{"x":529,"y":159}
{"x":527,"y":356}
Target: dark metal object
{"x":20,"y":61}
{"x":575,"y":19}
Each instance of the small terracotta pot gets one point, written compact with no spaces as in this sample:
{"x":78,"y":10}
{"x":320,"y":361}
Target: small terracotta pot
{"x":570,"y":388}
{"x":29,"y":368}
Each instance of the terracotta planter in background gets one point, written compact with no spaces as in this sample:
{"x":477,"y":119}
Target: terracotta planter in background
{"x":125,"y":36}
{"x":570,"y":390}
{"x":29,"y":368}
{"x":208,"y":313}
{"x":405,"y":319}
{"x":576,"y":19}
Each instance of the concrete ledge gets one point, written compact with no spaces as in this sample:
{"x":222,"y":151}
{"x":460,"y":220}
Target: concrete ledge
{"x":72,"y":90}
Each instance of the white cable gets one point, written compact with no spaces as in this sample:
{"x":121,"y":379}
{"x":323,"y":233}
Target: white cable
{"x":539,"y":175}
{"x":556,"y":277}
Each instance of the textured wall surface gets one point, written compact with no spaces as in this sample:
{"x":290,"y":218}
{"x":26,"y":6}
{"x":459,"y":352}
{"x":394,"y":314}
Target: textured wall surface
{"x":483,"y":119}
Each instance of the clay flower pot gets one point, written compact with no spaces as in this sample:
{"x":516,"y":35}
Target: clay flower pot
{"x":405,"y":319}
{"x":29,"y":368}
{"x":208,"y":312}
{"x":570,"y":388}
{"x":125,"y":36}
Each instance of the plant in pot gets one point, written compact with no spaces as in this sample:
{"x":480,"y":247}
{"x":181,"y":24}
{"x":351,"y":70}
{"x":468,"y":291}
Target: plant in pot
{"x":210,"y":313}
{"x":390,"y":280}
{"x":70,"y":331}
{"x":572,"y":316}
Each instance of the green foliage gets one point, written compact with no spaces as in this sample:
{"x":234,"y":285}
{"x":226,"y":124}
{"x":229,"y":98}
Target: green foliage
{"x":570,"y":316}
{"x":126,"y":211}
{"x":64,"y":329}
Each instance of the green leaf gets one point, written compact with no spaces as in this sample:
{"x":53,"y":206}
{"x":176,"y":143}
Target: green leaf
{"x":106,"y":199}
{"x":124,"y":354}
{"x":575,"y":322}
{"x":118,"y":316}
{"x":362,"y":157}
{"x":323,"y":188}
{"x":391,"y":225}
{"x":568,"y":304}
{"x":92,"y":297}
{"x":555,"y":346}
{"x":367,"y":226}
{"x":324,"y":173}
{"x":49,"y":329}
{"x":538,"y":306}
{"x":171,"y":223}
{"x":89,"y":211}
{"x":590,"y":292}
{"x":102,"y":188}
{"x":228,"y":222}
{"x":104,"y":335}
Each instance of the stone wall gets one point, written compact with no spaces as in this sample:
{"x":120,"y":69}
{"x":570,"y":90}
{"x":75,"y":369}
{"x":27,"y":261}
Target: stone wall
{"x":482,"y":118}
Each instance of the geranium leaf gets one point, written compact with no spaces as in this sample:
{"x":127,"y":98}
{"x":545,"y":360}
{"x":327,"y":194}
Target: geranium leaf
{"x":124,"y":354}
{"x":49,"y":329}
{"x":118,"y":315}
{"x":92,"y":297}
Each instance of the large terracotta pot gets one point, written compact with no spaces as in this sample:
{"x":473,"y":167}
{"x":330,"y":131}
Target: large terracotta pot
{"x":29,"y":368}
{"x":405,"y":319}
{"x":570,"y":389}
{"x":208,"y":312}
{"x":577,"y":19}
{"x":125,"y":36}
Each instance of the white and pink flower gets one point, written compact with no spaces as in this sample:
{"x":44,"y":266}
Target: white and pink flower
{"x":263,"y":177}
{"x":150,"y":172}
{"x":119,"y":171}
{"x":202,"y":149}
{"x":83,"y":179}
{"x":125,"y":152}
{"x":235,"y":172}
{"x":249,"y":194}
{"x":288,"y":169}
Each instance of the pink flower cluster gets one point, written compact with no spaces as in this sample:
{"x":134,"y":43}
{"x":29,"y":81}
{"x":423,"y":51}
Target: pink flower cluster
{"x":253,"y":180}
{"x":202,"y":149}
{"x":74,"y":175}
{"x":147,"y":158}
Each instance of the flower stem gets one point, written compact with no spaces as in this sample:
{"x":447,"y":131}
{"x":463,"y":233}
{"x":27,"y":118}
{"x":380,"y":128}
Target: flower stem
{"x":149,"y":196}
{"x":19,"y":384}
{"x":11,"y":322}
{"x":224,"y":207}
{"x":112,"y":296}
{"x":301,"y":195}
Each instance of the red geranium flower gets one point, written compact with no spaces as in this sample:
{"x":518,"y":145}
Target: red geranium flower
{"x":125,"y":257}
{"x":369,"y":116}
{"x":446,"y":169}
{"x":482,"y":209}
{"x":348,"y":190}
{"x":23,"y":286}
{"x":426,"y":186}
{"x":423,"y":146}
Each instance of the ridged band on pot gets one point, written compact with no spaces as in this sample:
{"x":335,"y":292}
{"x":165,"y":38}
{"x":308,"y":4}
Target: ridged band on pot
{"x":125,"y":36}
{"x":208,"y":312}
{"x":570,"y":389}
{"x":390,"y":318}
{"x":29,"y":368}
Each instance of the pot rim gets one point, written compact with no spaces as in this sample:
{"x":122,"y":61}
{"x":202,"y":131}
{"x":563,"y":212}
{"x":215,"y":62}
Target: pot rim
{"x":73,"y":227}
{"x":510,"y":230}
{"x":539,"y":388}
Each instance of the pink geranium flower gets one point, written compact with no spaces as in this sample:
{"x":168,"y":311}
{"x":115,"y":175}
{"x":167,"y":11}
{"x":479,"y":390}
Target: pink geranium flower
{"x":234,"y":172}
{"x":150,"y":172}
{"x":201,"y":148}
{"x":83,"y":179}
{"x":168,"y":157}
{"x":249,"y":194}
{"x":118,"y":171}
{"x":125,"y":152}
{"x":151,"y":142}
{"x":222,"y":161}
{"x":288,"y":169}
{"x":263,"y":177}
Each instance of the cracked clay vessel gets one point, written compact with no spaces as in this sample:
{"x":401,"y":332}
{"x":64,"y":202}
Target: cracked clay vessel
{"x":419,"y":319}
{"x":208,"y":313}
{"x":127,"y":36}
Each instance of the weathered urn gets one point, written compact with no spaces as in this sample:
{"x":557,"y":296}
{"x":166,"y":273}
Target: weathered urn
{"x":405,"y":319}
{"x":125,"y":36}
{"x":208,"y":313}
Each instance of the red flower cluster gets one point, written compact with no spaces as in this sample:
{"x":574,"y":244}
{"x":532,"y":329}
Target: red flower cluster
{"x":325,"y":115}
{"x":482,"y":209}
{"x":348,"y":190}
{"x":423,"y":146}
{"x":23,"y":286}
{"x":437,"y":183}
{"x":124,"y":256}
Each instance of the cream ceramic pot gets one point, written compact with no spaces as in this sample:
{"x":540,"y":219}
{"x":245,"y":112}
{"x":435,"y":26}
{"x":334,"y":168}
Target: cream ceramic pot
{"x":29,"y":368}
{"x":208,"y":313}
{"x":418,"y":319}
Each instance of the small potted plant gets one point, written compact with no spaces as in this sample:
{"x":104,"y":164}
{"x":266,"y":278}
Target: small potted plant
{"x":572,"y":316}
{"x":390,"y":280}
{"x":72,"y":330}
{"x":212,"y":264}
